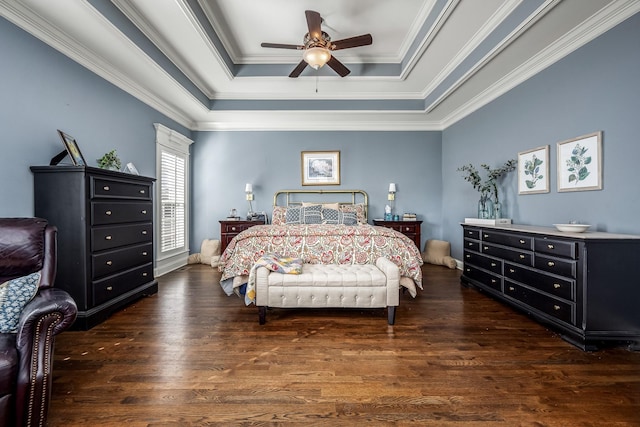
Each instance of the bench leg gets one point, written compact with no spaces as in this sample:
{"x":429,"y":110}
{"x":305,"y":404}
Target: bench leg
{"x":391,"y":314}
{"x":262,"y":314}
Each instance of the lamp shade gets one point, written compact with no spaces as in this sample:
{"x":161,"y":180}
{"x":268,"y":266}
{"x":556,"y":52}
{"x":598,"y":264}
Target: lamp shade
{"x":248,"y":188}
{"x":316,"y":57}
{"x":392,"y":188}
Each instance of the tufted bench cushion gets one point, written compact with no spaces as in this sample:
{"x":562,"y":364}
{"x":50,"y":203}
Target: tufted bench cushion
{"x":331,"y":285}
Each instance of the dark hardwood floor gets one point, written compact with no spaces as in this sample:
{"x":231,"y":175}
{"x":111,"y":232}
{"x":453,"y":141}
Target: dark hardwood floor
{"x":191,"y":356}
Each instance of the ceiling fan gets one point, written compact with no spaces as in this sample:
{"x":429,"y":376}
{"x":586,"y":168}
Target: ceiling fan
{"x":318,"y":46}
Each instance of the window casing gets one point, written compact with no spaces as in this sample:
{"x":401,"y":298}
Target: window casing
{"x":172,"y":190}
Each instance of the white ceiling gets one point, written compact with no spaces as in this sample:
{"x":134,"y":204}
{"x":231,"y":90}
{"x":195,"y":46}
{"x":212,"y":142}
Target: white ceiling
{"x":432,"y":62}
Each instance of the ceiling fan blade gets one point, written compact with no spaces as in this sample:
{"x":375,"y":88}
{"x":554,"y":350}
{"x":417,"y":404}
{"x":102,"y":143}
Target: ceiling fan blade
{"x":363,"y":40}
{"x":338,"y":66}
{"x":299,"y":68}
{"x":282,"y":46}
{"x":313,"y":22}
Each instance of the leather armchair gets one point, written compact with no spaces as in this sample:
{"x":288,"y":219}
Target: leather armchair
{"x":28,"y":245}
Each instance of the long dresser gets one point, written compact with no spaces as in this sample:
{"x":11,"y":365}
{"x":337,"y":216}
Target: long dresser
{"x":586,"y":286}
{"x":105,"y":236}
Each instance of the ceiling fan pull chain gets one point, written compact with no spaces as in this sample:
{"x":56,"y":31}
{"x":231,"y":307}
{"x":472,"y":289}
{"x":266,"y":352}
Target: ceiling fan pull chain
{"x":317,"y":73}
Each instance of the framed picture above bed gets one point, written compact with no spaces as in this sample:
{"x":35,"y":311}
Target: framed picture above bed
{"x":320,"y":167}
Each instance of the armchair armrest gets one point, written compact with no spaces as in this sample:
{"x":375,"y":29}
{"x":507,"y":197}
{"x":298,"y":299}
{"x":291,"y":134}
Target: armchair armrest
{"x":50,"y":312}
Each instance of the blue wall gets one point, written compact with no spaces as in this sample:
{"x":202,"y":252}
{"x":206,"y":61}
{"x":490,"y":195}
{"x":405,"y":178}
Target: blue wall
{"x":369,"y":161}
{"x":594,"y":88}
{"x":42,"y":91}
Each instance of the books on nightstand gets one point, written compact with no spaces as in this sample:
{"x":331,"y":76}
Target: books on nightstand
{"x":409,"y":217}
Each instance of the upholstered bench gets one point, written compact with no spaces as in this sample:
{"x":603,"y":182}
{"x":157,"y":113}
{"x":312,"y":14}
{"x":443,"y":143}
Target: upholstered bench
{"x":331,"y":285}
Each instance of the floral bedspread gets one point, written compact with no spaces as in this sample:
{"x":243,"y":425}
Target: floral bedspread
{"x":319,"y":244}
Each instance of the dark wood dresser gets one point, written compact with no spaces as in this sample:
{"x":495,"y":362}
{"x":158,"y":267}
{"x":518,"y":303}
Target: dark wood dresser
{"x":583,"y":285}
{"x":411,"y":229}
{"x":231,"y":228}
{"x":105,"y":236}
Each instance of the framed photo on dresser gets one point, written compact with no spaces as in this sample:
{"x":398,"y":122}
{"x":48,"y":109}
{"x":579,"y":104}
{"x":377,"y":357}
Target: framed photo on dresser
{"x":72,"y":148}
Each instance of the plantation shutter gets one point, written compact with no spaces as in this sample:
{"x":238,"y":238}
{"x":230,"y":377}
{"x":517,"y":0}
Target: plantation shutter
{"x":173,"y":202}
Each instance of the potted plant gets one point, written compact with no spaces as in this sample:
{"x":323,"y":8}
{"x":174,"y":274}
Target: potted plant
{"x":110,"y":161}
{"x":488,"y":187}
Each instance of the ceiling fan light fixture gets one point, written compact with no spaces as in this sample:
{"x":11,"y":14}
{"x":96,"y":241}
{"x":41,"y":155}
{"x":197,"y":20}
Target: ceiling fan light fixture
{"x":316,"y":57}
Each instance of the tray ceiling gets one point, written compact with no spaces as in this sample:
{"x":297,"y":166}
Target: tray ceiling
{"x":432,"y":62}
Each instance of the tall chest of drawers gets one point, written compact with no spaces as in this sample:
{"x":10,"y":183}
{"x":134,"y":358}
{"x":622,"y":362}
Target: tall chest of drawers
{"x":105,"y":236}
{"x":585,"y":286}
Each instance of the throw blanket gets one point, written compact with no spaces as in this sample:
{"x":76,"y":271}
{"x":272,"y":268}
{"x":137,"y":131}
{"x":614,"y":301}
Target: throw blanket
{"x":274,"y":262}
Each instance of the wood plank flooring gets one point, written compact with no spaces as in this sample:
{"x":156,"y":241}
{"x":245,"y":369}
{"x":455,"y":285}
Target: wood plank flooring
{"x":192,"y":356}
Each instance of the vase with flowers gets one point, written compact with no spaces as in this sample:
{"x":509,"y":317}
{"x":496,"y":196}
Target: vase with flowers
{"x":489,"y":203}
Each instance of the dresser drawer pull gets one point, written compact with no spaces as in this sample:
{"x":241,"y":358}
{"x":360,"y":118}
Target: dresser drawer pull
{"x":233,"y":229}
{"x":145,"y":274}
{"x":144,"y":212}
{"x":468,"y":270}
{"x":522,"y":256}
{"x":109,"y":288}
{"x":551,"y":263}
{"x":142,"y":191}
{"x":144,"y":232}
{"x":493,"y":280}
{"x":556,"y":286}
{"x":407,"y":229}
{"x":107,"y":237}
{"x":493,"y":264}
{"x":486,"y":248}
{"x":550,"y":246}
{"x":468,"y":256}
{"x":144,"y":253}
{"x":511,"y":288}
{"x":109,"y":262}
{"x":106,"y":188}
{"x":556,"y":307}
{"x":522,"y":241}
{"x":108,"y":213}
{"x":470,"y":233}
{"x":511,"y":270}
{"x":486,"y":235}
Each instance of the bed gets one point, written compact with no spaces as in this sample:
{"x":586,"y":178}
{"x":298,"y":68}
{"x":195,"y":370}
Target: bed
{"x":318,"y":231}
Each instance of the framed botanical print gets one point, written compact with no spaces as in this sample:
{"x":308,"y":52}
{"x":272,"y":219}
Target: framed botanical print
{"x":320,"y":167}
{"x":580,"y":163}
{"x":533,"y":171}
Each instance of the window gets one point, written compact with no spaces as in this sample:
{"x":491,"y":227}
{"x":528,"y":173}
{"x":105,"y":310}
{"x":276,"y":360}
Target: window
{"x":172,"y":225}
{"x":172,"y":201}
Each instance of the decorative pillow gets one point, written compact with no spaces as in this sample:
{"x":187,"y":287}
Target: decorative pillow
{"x":438,"y":252}
{"x":358,"y":209}
{"x":304,"y":215}
{"x":14,"y":295}
{"x":323,"y":205}
{"x":334,"y":216}
{"x":278,"y":217}
{"x":208,"y":249}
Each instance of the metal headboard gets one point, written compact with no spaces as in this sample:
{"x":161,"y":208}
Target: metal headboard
{"x":294,"y":197}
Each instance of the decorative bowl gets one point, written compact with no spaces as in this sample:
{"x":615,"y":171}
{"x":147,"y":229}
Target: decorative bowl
{"x":572,"y":228}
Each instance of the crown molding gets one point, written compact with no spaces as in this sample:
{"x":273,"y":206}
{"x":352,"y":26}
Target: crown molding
{"x":590,"y":29}
{"x":318,"y":121}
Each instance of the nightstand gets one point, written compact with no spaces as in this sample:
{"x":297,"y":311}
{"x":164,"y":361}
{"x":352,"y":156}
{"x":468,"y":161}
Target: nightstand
{"x":231,"y":228}
{"x":411,"y":229}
